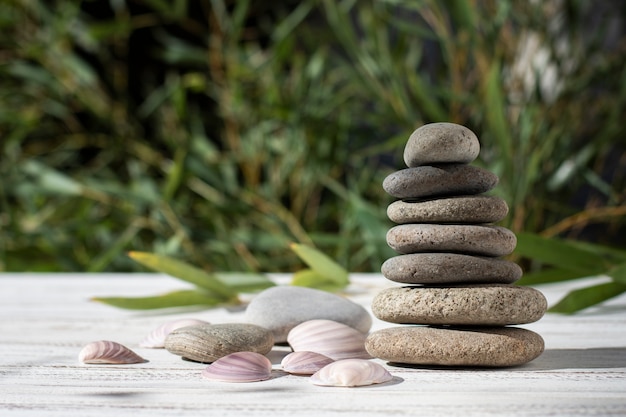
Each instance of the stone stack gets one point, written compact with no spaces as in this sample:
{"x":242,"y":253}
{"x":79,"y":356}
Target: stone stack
{"x":459,"y":301}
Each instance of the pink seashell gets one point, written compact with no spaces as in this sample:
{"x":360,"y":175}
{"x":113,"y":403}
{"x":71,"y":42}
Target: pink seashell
{"x":239,"y":367}
{"x":304,"y":362}
{"x":351,"y":373}
{"x":330,"y":338}
{"x":108,"y":352}
{"x":156,"y":338}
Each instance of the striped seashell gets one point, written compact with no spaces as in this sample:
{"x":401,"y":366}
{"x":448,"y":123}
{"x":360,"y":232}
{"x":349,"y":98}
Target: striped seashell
{"x":351,"y":373}
{"x":239,"y":367}
{"x":156,"y":338}
{"x":107,"y":352}
{"x":304,"y":362}
{"x":330,"y":338}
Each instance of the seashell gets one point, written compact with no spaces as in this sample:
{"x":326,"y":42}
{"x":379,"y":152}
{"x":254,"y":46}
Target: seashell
{"x":105,"y":351}
{"x":304,"y":362}
{"x":330,"y":338}
{"x":351,"y":373}
{"x":239,"y":367}
{"x":156,"y":338}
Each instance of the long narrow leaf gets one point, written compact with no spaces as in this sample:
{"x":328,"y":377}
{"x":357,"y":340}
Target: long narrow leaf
{"x":185,"y":272}
{"x":586,"y":297}
{"x":312,"y":279}
{"x":322,"y":264}
{"x":559,"y":253}
{"x":245,"y":282}
{"x":549,"y":275}
{"x":618,"y":273}
{"x":182,"y":298}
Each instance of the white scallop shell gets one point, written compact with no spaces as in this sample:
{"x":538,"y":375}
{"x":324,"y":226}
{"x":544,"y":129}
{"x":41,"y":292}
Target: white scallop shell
{"x":330,"y":338}
{"x":156,"y":338}
{"x":351,"y":373}
{"x":105,"y":351}
{"x":239,"y":367}
{"x":304,"y":362}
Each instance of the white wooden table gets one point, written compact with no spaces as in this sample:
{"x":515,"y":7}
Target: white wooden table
{"x":46,"y":319}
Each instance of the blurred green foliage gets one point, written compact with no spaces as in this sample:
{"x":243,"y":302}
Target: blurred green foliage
{"x":220,"y":131}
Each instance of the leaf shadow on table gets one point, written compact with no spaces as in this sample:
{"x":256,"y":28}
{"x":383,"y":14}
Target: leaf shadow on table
{"x":592,"y":358}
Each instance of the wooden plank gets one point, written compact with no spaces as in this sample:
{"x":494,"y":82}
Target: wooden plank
{"x":46,"y":319}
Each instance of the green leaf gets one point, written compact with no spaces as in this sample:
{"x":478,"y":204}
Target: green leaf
{"x":549,"y":275}
{"x":185,"y":272}
{"x":312,"y":279}
{"x":586,"y":297}
{"x":618,"y":273}
{"x":180,"y":298}
{"x":245,"y":282}
{"x":324,"y":266}
{"x":560,"y":253}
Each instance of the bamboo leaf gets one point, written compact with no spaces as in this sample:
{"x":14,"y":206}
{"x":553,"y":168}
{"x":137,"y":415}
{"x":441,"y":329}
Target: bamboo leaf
{"x":560,"y":253}
{"x":180,"y":298}
{"x":586,"y":297}
{"x":320,"y":263}
{"x":549,"y":275}
{"x":618,"y":273}
{"x":185,"y":272}
{"x":312,"y":279}
{"x":245,"y":282}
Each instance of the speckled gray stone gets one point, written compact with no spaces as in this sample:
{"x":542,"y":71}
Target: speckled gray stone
{"x":209,"y":342}
{"x":281,"y":308}
{"x":441,"y":143}
{"x":449,"y":268}
{"x":465,"y":209}
{"x":467,"y":239}
{"x":476,"y":305}
{"x":488,"y":347}
{"x":440,"y":180}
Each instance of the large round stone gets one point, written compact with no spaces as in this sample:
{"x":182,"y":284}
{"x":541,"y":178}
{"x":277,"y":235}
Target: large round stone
{"x":465,"y":209}
{"x":448,"y":268}
{"x":476,"y":305}
{"x":441,"y":143}
{"x":209,"y":342}
{"x":488,"y":347}
{"x":440,"y":180}
{"x":281,"y":308}
{"x":467,"y":239}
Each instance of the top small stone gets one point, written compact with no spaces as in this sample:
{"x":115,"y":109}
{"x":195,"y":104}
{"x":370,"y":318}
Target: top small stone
{"x":437,"y":143}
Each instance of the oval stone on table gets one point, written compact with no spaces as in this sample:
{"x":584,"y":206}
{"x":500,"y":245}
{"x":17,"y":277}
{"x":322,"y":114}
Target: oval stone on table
{"x":465,"y":209}
{"x":468,"y":239}
{"x":427,"y":181}
{"x":446,"y":268}
{"x":486,"y":346}
{"x":281,"y":308}
{"x":209,"y":342}
{"x":475,"y":305}
{"x":441,"y":143}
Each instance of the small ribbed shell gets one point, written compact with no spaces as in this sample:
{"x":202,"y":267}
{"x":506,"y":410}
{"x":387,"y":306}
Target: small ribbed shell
{"x":107,"y":352}
{"x":351,"y":373}
{"x":239,"y":367}
{"x":304,"y":362}
{"x":330,"y":338}
{"x":156,"y":338}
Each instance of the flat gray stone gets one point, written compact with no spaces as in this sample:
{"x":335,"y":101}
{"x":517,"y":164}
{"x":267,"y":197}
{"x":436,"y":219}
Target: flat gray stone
{"x":441,"y":143}
{"x":208,"y":342}
{"x":466,"y":239}
{"x":449,"y":268}
{"x":475,"y":305}
{"x":281,"y":308}
{"x":465,"y":209}
{"x":439,"y":180}
{"x":487,"y":346}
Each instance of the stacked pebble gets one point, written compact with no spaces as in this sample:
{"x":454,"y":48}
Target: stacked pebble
{"x":460,"y":299}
